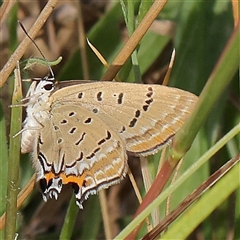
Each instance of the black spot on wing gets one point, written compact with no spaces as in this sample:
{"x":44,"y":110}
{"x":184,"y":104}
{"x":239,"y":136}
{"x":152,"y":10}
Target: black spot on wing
{"x":75,"y":188}
{"x":133,"y":122}
{"x":150,"y":92}
{"x":56,"y":128}
{"x":147,"y":105}
{"x":71,"y":114}
{"x":95,"y":110}
{"x":80,"y":95}
{"x":93,"y":154}
{"x":135,"y":119}
{"x":149,"y":101}
{"x":99,"y":96}
{"x":80,"y":157}
{"x":102,"y":141}
{"x":43,"y":184}
{"x":72,"y":130}
{"x":109,"y":135}
{"x":88,"y":120}
{"x":120,"y":98}
{"x":123,"y":129}
{"x":64,"y":121}
{"x":137,"y":113}
{"x":80,"y":139}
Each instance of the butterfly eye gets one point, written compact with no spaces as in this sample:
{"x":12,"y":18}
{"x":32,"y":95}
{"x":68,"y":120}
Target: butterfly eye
{"x":48,"y":87}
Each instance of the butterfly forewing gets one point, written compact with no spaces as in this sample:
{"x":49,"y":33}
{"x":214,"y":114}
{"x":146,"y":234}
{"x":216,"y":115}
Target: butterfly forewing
{"x":145,"y":116}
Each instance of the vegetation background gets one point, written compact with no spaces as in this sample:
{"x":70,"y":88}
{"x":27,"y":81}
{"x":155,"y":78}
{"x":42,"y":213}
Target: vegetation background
{"x":198,"y":31}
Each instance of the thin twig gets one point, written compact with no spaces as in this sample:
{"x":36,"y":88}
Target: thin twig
{"x":16,"y":56}
{"x":134,"y":40}
{"x":5,"y":9}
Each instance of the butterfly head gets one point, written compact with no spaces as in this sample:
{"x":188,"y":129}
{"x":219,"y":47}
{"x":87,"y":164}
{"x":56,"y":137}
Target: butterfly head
{"x":40,"y":89}
{"x":43,"y":85}
{"x":37,"y":103}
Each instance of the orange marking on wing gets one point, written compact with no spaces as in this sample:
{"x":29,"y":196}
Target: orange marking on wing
{"x":49,"y":176}
{"x":79,"y":180}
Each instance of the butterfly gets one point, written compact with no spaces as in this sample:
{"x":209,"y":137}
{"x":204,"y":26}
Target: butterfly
{"x":80,"y":132}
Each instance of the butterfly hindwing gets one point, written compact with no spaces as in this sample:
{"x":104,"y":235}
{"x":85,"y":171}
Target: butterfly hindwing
{"x":77,"y":147}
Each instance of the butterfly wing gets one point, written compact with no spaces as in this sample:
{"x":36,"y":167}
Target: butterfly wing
{"x":81,"y":132}
{"x":145,"y":116}
{"x":76,"y":146}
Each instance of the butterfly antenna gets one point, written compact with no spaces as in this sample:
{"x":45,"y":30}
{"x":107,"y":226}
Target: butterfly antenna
{"x":23,"y":28}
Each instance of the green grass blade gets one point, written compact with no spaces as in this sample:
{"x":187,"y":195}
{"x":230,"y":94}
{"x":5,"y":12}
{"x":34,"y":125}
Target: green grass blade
{"x":135,"y":222}
{"x":205,"y":205}
{"x":3,"y":161}
{"x":3,"y":164}
{"x":69,"y":221}
{"x":14,"y":157}
{"x":219,"y":80}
